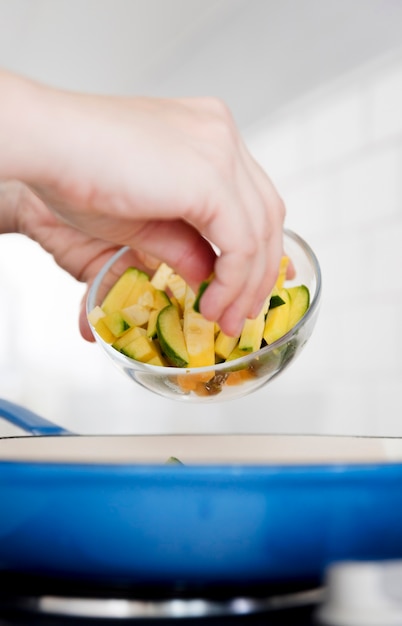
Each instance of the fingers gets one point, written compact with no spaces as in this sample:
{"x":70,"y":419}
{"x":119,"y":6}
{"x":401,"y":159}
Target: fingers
{"x":181,"y":185}
{"x":178,"y":244}
{"x":242,"y":215}
{"x":247,"y":227}
{"x":250,"y":292}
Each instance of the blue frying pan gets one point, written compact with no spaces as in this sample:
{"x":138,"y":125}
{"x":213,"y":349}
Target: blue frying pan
{"x":191,"y":524}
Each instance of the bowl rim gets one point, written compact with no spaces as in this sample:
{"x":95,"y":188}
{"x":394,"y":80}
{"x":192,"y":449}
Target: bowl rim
{"x":225,"y":365}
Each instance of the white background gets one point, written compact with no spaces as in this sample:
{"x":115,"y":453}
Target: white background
{"x":316,"y":88}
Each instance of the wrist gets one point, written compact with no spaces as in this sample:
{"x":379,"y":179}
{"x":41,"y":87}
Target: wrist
{"x":22,"y":117}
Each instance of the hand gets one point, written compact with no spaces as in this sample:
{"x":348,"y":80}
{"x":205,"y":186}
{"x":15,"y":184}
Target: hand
{"x":80,"y":255}
{"x":166,"y":177}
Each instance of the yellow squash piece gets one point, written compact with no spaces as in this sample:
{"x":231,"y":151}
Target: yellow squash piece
{"x":141,"y":349}
{"x":136,"y":314}
{"x":120,"y":293}
{"x":95,"y":315}
{"x":237,"y":353}
{"x":283,"y":268}
{"x":104,"y":332}
{"x":199,"y":334}
{"x":253,"y":329}
{"x":224,"y":345}
{"x":277,"y":320}
{"x":158,"y":360}
{"x":160,"y":279}
{"x":141,"y":292}
{"x":178,"y":287}
{"x":121,"y":342}
{"x":146,"y":299}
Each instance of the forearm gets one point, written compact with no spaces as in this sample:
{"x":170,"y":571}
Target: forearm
{"x":22,"y":127}
{"x":28,"y":158}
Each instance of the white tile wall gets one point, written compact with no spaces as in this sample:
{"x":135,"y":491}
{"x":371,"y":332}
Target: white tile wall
{"x":336,"y":157}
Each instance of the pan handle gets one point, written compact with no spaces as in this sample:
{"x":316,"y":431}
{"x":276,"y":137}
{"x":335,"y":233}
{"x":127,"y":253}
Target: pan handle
{"x":29,"y":421}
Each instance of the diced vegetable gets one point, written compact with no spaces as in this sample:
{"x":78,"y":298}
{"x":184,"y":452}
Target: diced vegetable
{"x":95,"y":315}
{"x":277,"y":320}
{"x":253,"y":330}
{"x":171,"y":336}
{"x":116,"y":323}
{"x":136,"y":315}
{"x":199,"y":334}
{"x":283,"y":268}
{"x":200,"y":293}
{"x":178,"y":288}
{"x":143,"y":349}
{"x":121,"y":291}
{"x":224,"y":345}
{"x":128,"y":337}
{"x":156,"y":321}
{"x":103,"y":331}
{"x":160,"y":279}
{"x":299,"y":303}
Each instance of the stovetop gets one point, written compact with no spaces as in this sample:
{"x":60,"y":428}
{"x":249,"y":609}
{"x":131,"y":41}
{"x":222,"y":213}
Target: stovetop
{"x":26,"y":600}
{"x":352,"y":592}
{"x":303,"y":615}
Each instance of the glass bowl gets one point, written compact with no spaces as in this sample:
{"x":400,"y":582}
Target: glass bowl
{"x":231,"y":379}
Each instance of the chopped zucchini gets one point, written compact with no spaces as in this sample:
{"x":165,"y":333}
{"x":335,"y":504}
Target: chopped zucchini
{"x":299,"y":303}
{"x":171,"y":336}
{"x":116,"y":323}
{"x":275,"y":301}
{"x":141,"y":349}
{"x":173,"y":460}
{"x":161,"y":299}
{"x":277,"y":320}
{"x":253,"y":329}
{"x":158,"y":321}
{"x":200,"y":293}
{"x":121,"y":342}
